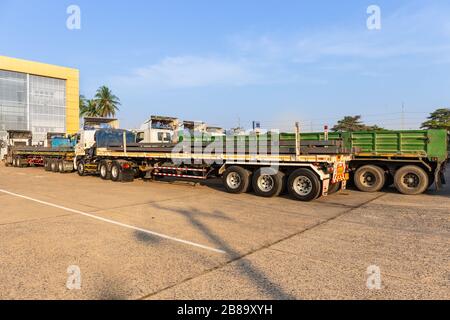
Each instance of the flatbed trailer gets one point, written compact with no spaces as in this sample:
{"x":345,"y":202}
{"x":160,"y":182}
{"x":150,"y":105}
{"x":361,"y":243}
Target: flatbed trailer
{"x":306,"y":177}
{"x":308,"y":170}
{"x":52,"y":159}
{"x":412,"y":160}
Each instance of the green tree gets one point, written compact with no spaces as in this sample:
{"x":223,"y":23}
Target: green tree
{"x":349,"y":124}
{"x":83,"y":103}
{"x":375,"y":128}
{"x":107,"y":103}
{"x":439,"y":119}
{"x":354,"y":123}
{"x":89,"y":108}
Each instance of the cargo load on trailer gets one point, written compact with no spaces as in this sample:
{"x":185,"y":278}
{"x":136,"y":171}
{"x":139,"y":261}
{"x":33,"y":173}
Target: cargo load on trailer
{"x":411,"y":160}
{"x":308,"y":170}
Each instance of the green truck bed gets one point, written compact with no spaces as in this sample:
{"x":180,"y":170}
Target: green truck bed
{"x":430,"y":144}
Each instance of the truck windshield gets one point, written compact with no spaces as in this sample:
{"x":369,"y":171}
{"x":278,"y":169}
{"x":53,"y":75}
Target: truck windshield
{"x":113,"y":137}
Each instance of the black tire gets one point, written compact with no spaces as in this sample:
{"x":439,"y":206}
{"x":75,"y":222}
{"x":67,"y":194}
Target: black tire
{"x":411,"y":180}
{"x":267,"y":184}
{"x":14,"y":163}
{"x":54,"y":165}
{"x":304,"y":185}
{"x":116,"y":172}
{"x":236,"y":180}
{"x":47,"y":165}
{"x":61,"y":166}
{"x":334,"y":188}
{"x":104,"y":171}
{"x":81,"y":169}
{"x":370,"y":178}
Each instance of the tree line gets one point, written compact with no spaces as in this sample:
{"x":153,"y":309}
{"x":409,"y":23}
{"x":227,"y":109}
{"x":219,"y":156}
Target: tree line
{"x":439,"y":119}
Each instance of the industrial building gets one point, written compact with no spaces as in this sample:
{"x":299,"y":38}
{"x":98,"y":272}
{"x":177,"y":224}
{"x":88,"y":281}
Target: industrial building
{"x":38,"y":97}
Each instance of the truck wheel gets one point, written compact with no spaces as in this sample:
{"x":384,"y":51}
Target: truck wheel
{"x":81,"y":169}
{"x":411,"y":180}
{"x":116,"y":172}
{"x":61,"y":166}
{"x":14,"y":162}
{"x":267,"y":184}
{"x":370,"y":178}
{"x":105,"y":173}
{"x":54,"y":165}
{"x":236,"y":179}
{"x":304,"y":185}
{"x":47,"y":165}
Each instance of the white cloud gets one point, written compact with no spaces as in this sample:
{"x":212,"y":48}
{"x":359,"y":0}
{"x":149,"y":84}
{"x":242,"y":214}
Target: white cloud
{"x":191,"y":71}
{"x":413,"y":35}
{"x":411,"y":31}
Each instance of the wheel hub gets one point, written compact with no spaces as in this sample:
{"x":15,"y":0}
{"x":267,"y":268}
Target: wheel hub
{"x":265,"y":183}
{"x":411,"y":180}
{"x":368,"y":179}
{"x":234,"y":180}
{"x":303,"y":185}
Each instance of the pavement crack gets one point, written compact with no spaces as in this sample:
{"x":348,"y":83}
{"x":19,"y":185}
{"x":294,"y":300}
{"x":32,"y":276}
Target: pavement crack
{"x":35,"y":220}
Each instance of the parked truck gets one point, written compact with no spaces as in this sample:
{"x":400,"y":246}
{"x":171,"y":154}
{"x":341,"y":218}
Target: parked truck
{"x":307,"y":170}
{"x":114,"y":154}
{"x":411,"y":160}
{"x":57,"y":156}
{"x":56,"y":153}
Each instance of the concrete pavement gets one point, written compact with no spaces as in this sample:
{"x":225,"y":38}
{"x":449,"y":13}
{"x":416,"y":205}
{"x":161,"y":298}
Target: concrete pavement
{"x":271,"y":248}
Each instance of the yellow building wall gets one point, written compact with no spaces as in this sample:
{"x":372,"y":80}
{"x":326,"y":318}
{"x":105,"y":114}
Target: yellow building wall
{"x":71,"y":76}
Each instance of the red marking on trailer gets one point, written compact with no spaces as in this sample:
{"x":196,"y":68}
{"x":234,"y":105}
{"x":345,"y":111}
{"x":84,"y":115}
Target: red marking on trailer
{"x":181,"y":169}
{"x":178,"y":175}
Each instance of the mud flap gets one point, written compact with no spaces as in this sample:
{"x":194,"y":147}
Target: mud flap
{"x":325,"y":187}
{"x":127,"y":176}
{"x":439,"y":179}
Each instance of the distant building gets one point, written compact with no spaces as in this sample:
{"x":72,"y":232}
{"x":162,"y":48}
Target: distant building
{"x":38,"y":97}
{"x":237,"y":131}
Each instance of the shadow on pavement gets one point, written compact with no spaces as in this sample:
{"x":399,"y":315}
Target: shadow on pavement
{"x":245,"y":267}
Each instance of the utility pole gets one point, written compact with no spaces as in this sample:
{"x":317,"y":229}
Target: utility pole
{"x":403,"y":116}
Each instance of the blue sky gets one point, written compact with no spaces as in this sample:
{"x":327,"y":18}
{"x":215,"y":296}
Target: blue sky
{"x":220,"y":61}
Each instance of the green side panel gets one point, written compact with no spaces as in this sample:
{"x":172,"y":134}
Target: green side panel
{"x":438,"y":145}
{"x":433,"y":144}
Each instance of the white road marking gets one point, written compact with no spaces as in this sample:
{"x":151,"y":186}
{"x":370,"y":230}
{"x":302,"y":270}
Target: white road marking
{"x":116,"y":223}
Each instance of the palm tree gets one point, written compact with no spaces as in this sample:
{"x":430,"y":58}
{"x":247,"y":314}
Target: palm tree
{"x":89,"y":109}
{"x":107,"y":102}
{"x":82,"y":103}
